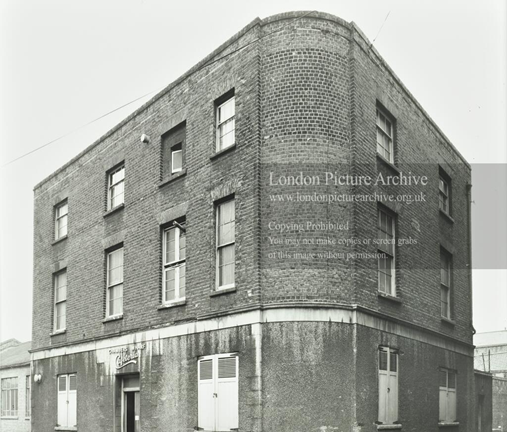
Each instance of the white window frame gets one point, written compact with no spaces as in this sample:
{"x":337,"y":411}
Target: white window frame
{"x":173,"y":153}
{"x":388,"y":400}
{"x":222,"y":122}
{"x":178,"y":264}
{"x":385,"y":131}
{"x":60,"y":301}
{"x":389,"y":250}
{"x":113,"y":185}
{"x":61,"y":219}
{"x":447,"y":412}
{"x":10,"y":397}
{"x":118,"y":284}
{"x":28,"y":396}
{"x":445,"y":284}
{"x":222,"y":246}
{"x":211,"y":415}
{"x":67,"y":410}
{"x":443,"y":195}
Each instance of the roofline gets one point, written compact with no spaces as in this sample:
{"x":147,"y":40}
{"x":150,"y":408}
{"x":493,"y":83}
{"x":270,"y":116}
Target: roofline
{"x":479,"y":372}
{"x":409,"y":94}
{"x":160,"y":94}
{"x":258,"y":22}
{"x":492,"y":345}
{"x":492,"y":331}
{"x":15,"y":365}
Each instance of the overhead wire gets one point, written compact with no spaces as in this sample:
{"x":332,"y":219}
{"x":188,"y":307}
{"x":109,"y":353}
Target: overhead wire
{"x":168,"y":103}
{"x":151,"y":92}
{"x":79,"y":128}
{"x":380,"y":29}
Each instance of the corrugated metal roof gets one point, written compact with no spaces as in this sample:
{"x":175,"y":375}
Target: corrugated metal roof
{"x":15,"y":355}
{"x":491,"y":338}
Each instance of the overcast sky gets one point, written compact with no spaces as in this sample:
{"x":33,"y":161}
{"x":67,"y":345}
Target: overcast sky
{"x":65,"y":63}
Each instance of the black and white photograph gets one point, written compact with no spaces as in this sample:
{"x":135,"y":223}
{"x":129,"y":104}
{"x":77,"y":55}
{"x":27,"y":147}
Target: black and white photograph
{"x":272,"y":216}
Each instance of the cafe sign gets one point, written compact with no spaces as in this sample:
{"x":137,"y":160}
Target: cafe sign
{"x":126,"y":355}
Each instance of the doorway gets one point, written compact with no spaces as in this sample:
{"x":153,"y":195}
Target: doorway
{"x":480,"y":413}
{"x":130,"y":403}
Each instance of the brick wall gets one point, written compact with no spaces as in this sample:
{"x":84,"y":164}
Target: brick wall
{"x":306,"y":97}
{"x":419,"y":148}
{"x":149,"y":204}
{"x":305,"y":129}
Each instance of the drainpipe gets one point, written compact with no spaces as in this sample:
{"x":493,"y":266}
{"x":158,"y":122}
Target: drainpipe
{"x":469,"y":246}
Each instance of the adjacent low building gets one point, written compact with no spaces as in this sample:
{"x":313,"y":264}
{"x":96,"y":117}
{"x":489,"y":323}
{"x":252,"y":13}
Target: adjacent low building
{"x":484,"y":401}
{"x":278,"y":241}
{"x":15,"y":384}
{"x":491,"y":357}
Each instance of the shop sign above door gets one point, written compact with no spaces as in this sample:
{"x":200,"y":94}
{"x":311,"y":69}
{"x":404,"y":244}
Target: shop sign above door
{"x":126,"y":355}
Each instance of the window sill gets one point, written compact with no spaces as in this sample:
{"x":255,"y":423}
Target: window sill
{"x":390,"y":165}
{"x":58,"y":332}
{"x":221,"y":291}
{"x":223,"y":151}
{"x":58,"y":240}
{"x":390,"y":297}
{"x":175,"y":303}
{"x":173,"y":177}
{"x":388,"y":426}
{"x":114,"y":210}
{"x":65,"y":428}
{"x":447,"y":216}
{"x":9,"y":418}
{"x":448,"y":424}
{"x":112,"y":318}
{"x":448,"y":321}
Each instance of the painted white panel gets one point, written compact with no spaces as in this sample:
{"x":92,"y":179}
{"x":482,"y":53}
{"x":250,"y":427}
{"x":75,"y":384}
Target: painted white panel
{"x":442,"y":404}
{"x":72,"y":409}
{"x":62,"y":409}
{"x":227,"y":404}
{"x":392,"y":395}
{"x":451,"y":408}
{"x":382,"y":396}
{"x":206,"y":399}
{"x":62,"y":400}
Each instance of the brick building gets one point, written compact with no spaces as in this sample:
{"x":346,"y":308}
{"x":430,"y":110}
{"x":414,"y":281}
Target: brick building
{"x":15,"y":384}
{"x":203,"y":265}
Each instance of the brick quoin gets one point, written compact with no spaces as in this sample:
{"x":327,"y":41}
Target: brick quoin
{"x":306,"y":96}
